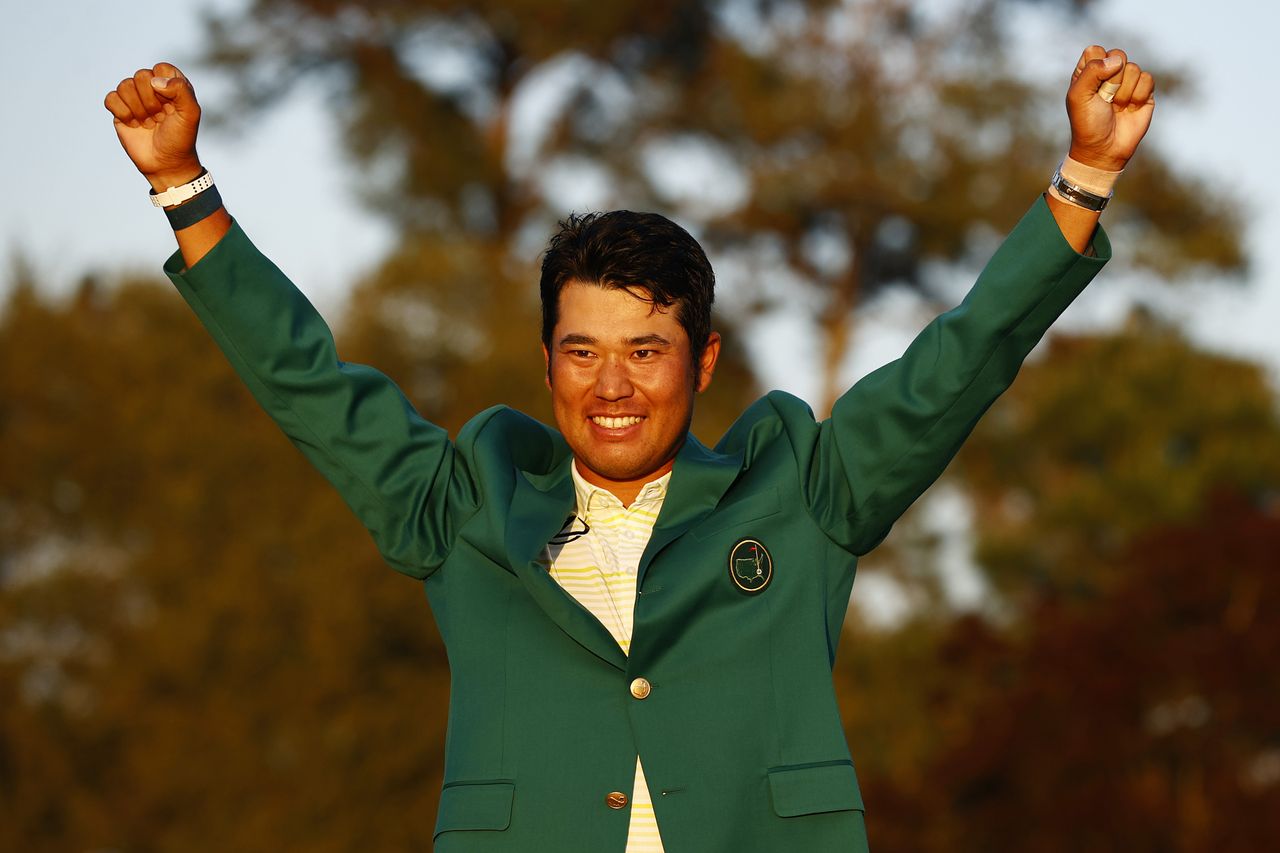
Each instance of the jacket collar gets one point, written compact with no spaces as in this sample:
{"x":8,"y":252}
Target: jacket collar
{"x":542,"y":501}
{"x":699,"y":480}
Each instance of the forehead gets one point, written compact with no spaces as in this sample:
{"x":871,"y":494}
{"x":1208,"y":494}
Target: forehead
{"x":612,"y":312}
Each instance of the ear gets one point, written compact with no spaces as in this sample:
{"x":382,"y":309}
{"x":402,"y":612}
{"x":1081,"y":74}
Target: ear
{"x":546,"y":360}
{"x":707,"y":362}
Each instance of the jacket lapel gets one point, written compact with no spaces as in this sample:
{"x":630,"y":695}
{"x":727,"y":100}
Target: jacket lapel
{"x":540,"y":504}
{"x":700,"y":478}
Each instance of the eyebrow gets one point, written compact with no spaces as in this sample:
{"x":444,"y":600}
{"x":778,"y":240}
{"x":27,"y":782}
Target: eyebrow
{"x":643,"y":340}
{"x":649,"y":340}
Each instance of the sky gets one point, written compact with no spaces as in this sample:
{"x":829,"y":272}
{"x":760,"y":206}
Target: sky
{"x":73,"y":204}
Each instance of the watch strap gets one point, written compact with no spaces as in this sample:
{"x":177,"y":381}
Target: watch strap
{"x":177,"y":195}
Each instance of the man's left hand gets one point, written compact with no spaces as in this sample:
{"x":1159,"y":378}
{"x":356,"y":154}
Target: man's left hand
{"x":1105,"y":135}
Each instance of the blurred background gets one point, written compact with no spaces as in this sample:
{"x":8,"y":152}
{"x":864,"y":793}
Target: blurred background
{"x":1069,"y":644}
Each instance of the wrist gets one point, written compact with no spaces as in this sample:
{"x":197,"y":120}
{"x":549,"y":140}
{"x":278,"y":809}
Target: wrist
{"x":1095,"y":160}
{"x":175,"y":177}
{"x":1084,"y":186}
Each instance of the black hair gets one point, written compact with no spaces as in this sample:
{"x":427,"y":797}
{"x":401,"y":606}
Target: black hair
{"x":624,"y":249}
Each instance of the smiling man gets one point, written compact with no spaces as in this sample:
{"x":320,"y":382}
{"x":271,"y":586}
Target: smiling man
{"x":626,"y":331}
{"x":640,"y":629}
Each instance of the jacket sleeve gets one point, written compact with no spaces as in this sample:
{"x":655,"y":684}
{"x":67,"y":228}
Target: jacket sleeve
{"x":399,"y":473}
{"x":892,"y":434}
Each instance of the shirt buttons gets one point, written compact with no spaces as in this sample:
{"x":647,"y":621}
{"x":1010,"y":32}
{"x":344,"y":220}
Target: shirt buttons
{"x":616,"y":800}
{"x":640,"y":688}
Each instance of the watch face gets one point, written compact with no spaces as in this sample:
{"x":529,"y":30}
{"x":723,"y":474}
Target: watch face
{"x":1078,"y":196}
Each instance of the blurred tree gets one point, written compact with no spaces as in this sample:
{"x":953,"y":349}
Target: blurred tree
{"x":1104,"y":438}
{"x":1145,"y":723}
{"x":825,"y":149}
{"x":199,"y":648}
{"x":1126,"y":503}
{"x":192,"y":653}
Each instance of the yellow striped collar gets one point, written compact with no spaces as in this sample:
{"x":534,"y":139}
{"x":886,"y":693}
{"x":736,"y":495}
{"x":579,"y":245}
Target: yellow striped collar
{"x":591,"y":497}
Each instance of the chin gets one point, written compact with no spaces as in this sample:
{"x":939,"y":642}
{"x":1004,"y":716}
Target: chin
{"x":620,"y":470}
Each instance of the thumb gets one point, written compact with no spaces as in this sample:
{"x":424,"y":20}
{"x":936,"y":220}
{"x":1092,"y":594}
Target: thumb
{"x":175,"y":89}
{"x":172,"y":86}
{"x":1097,"y":72}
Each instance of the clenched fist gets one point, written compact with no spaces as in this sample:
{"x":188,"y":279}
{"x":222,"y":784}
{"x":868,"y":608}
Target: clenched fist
{"x":1105,"y":133}
{"x":156,"y":118}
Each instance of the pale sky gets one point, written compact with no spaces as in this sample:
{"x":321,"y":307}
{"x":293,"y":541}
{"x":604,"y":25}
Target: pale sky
{"x":72,"y":202}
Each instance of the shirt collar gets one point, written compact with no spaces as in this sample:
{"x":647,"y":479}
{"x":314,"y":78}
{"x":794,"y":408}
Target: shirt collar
{"x":593,"y":497}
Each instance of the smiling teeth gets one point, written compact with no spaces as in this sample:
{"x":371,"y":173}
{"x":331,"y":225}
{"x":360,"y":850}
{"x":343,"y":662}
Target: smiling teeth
{"x":616,"y":423}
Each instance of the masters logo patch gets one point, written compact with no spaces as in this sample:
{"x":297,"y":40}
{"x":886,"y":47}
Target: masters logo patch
{"x":750,"y":566}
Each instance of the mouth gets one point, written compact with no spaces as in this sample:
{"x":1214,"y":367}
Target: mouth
{"x":606,"y":422}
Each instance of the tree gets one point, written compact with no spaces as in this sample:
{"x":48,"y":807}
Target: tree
{"x":1104,"y":438}
{"x":1142,"y":724}
{"x":199,"y":648}
{"x":827,"y":149}
{"x":1109,"y":697}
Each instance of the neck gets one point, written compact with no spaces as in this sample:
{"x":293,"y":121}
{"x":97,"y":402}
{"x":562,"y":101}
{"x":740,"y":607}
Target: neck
{"x":625,"y":491}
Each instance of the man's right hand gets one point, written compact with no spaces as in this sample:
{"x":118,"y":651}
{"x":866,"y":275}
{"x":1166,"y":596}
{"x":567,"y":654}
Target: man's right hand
{"x":157,"y":124}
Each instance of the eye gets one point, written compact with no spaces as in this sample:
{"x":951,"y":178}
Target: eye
{"x":643,"y":353}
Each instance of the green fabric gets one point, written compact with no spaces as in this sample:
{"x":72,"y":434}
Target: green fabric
{"x":814,"y":789}
{"x":741,"y":736}
{"x":475,"y":806}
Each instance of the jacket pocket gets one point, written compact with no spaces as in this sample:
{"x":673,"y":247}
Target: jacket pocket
{"x":803,"y":789}
{"x":475,"y":805}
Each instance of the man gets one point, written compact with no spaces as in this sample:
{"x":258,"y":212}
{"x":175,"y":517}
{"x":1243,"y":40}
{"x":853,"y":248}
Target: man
{"x":640,"y":629}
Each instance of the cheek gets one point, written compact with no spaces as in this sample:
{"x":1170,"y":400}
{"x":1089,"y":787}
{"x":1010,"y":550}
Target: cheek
{"x":566,"y":382}
{"x":672,"y":389}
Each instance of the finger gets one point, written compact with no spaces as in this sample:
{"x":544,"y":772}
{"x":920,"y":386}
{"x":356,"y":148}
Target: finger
{"x":1093,"y":51}
{"x":128,"y":92}
{"x":118,"y":107}
{"x":1145,"y":91}
{"x":1096,"y":72}
{"x":1110,"y":85}
{"x":142,"y":83}
{"x":1126,"y":82}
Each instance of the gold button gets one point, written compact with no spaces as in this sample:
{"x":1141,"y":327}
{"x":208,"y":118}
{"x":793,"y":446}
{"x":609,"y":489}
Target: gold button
{"x":640,"y":688}
{"x":616,"y":800}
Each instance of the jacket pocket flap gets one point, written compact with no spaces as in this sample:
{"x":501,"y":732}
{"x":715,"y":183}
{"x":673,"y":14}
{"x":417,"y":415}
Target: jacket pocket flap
{"x":813,"y":789}
{"x":754,"y":507}
{"x":475,"y":805}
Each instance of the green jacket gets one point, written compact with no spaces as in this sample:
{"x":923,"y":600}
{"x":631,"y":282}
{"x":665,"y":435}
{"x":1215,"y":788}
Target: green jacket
{"x":741,"y":737}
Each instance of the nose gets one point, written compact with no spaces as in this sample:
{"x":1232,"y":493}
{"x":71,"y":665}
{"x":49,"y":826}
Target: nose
{"x":612,"y":381}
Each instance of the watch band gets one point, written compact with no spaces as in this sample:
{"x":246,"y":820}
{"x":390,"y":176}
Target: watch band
{"x":1078,"y":195}
{"x":177,"y":195}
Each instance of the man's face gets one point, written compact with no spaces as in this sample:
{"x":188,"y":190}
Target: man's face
{"x":622,"y":383}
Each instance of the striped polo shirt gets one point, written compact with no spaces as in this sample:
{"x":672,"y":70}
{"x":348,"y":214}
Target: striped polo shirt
{"x":596,"y":560}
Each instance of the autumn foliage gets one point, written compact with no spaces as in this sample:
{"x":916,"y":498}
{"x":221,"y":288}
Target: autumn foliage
{"x":201,"y":650}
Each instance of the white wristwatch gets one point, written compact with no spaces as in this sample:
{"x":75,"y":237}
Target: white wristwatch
{"x":177,"y":195}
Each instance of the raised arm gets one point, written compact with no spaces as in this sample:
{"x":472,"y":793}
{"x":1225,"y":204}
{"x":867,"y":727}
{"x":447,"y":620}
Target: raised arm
{"x":397,"y":472}
{"x":893,"y":433}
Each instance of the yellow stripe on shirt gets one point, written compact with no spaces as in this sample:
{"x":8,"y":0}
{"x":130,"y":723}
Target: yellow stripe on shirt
{"x":599,"y":569}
